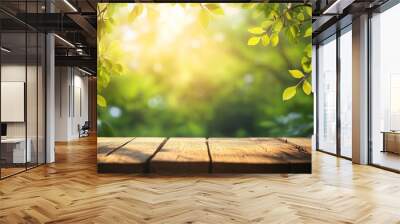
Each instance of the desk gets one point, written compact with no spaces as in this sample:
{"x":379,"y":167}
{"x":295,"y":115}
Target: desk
{"x":391,"y":141}
{"x":13,"y":150}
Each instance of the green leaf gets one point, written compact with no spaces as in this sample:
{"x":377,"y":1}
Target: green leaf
{"x":307,"y":88}
{"x":289,"y":36}
{"x":273,"y":14}
{"x":108,"y":26}
{"x":289,"y":93}
{"x":101,"y":101}
{"x":296,"y":74}
{"x":256,"y":14}
{"x":265,"y":40}
{"x":253,"y":41}
{"x":256,"y":30}
{"x":117,"y":69}
{"x":136,"y":11}
{"x":249,"y":5}
{"x":309,"y":10}
{"x":293,"y":31}
{"x":308,"y":50}
{"x":103,"y":79}
{"x":111,"y":9}
{"x":106,"y":63}
{"x":266,"y":24}
{"x":215,"y":8}
{"x":278,"y":26}
{"x":204,"y":18}
{"x":306,"y":64}
{"x":274,"y":39}
{"x":288,"y":16}
{"x":308,"y":32}
{"x":300,"y":16}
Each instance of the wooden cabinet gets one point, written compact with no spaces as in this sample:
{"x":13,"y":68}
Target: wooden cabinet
{"x":391,"y":142}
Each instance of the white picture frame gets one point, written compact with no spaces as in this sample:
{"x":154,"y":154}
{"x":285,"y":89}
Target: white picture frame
{"x":12,"y":101}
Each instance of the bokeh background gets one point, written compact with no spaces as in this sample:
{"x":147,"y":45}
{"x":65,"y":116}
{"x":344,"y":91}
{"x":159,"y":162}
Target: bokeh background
{"x":169,"y":70}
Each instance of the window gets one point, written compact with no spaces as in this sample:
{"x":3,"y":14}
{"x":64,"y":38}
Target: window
{"x":385,"y":89}
{"x":327,"y":96}
{"x":346,"y":93}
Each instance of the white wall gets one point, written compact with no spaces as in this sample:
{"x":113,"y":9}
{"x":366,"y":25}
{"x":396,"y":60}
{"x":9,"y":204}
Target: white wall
{"x":16,"y":73}
{"x":62,"y":81}
{"x":71,"y":102}
{"x":80,"y":110}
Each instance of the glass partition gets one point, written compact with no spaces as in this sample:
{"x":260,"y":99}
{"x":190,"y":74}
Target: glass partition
{"x":41,"y":96}
{"x":22,"y":88}
{"x":14,"y":153}
{"x":32,"y":97}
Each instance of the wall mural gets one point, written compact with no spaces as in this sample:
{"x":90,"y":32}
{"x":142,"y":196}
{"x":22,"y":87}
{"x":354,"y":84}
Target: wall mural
{"x":204,"y":70}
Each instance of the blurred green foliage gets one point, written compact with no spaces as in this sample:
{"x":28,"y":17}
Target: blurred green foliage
{"x":205,"y":80}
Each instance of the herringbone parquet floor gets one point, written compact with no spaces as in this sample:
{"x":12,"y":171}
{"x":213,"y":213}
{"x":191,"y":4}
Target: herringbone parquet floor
{"x":71,"y":191}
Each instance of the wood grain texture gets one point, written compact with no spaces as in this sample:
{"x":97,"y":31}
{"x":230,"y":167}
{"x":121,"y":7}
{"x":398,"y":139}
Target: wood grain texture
{"x":71,"y":191}
{"x":132,"y":157}
{"x":8,"y":171}
{"x":107,"y":145}
{"x":304,"y":143}
{"x":182,"y":155}
{"x":257,"y":155}
{"x":191,"y":156}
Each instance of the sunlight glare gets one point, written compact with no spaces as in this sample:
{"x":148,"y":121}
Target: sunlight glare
{"x":128,"y":33}
{"x":172,"y":22}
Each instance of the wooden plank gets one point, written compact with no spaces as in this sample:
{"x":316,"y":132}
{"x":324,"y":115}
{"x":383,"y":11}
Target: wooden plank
{"x":132,"y":157}
{"x":105,"y":145}
{"x":256,"y":155}
{"x":182,"y":155}
{"x":288,"y":151}
{"x":304,"y":143}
